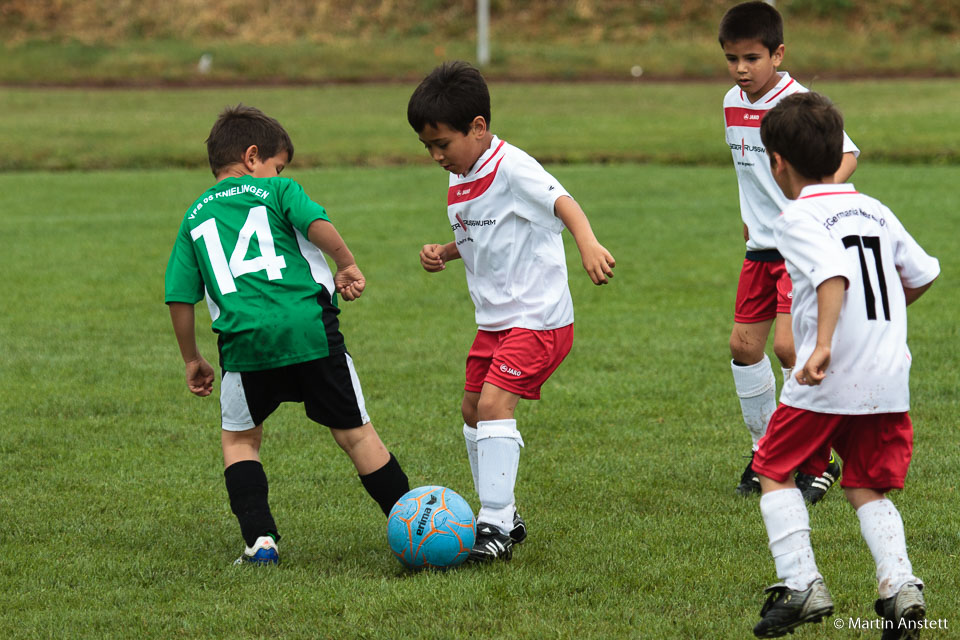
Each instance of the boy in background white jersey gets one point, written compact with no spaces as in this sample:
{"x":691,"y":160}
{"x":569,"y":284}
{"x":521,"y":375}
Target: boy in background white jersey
{"x":854,"y":270}
{"x":751,"y":35}
{"x":506,"y":213}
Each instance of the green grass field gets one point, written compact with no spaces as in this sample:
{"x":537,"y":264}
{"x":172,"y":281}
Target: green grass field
{"x":366,"y":125}
{"x":116,"y":522}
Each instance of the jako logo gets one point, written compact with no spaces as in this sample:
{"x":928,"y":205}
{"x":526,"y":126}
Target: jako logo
{"x":505,"y":369}
{"x":751,"y":116}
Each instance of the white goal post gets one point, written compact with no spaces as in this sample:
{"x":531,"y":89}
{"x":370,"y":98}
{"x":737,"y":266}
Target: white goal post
{"x":483,"y":32}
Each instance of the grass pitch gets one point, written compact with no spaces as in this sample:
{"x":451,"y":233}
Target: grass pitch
{"x":365,"y":125}
{"x":116,"y":522}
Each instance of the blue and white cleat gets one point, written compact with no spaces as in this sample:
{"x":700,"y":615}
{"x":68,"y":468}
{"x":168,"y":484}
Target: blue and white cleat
{"x":263,"y":552}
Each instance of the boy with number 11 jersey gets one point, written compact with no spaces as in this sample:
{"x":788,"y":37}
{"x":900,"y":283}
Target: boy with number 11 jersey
{"x":854,"y":268}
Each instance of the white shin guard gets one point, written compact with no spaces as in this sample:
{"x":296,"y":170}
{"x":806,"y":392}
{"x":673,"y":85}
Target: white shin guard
{"x":498,"y":456}
{"x":882,"y":530}
{"x":788,"y":529}
{"x":757,"y":389}
{"x":786,"y":374}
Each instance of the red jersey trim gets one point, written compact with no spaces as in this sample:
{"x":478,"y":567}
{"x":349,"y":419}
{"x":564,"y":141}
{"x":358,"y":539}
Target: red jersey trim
{"x":829,"y":193}
{"x":774,"y":97}
{"x":470,"y":190}
{"x":492,"y":155}
{"x":743,"y":117}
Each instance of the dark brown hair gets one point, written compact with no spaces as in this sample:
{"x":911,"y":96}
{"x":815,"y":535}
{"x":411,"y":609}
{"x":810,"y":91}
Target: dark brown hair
{"x":807,"y":131}
{"x":453,"y":94}
{"x":752,"y":21}
{"x":239,"y":127}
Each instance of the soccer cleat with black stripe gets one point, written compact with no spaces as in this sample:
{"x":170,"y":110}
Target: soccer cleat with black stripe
{"x":519,"y":532}
{"x":490,"y":544}
{"x":814,"y":488}
{"x":263,"y":552}
{"x":749,"y":481}
{"x":904,"y":613}
{"x":786,"y":609}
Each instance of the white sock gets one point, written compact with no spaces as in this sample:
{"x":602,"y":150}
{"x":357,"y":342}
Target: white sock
{"x":882,"y":529}
{"x":786,"y":374}
{"x":498,"y":456}
{"x":756,"y":387}
{"x":788,"y":529}
{"x":470,"y":437}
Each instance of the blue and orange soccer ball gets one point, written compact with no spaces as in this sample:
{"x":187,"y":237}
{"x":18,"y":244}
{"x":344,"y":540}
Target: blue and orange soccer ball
{"x":431,"y":527}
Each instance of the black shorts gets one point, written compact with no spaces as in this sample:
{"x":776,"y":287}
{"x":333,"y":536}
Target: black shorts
{"x":327,"y":387}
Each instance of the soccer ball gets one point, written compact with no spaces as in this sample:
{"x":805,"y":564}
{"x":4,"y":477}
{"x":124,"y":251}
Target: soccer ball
{"x":431,"y":527}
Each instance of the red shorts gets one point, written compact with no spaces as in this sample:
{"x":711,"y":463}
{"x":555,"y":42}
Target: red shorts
{"x":875,"y":448}
{"x":764,"y":290}
{"x":517,"y":360}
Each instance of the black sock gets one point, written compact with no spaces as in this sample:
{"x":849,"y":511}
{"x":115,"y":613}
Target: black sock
{"x":247,"y":488}
{"x":386,"y":484}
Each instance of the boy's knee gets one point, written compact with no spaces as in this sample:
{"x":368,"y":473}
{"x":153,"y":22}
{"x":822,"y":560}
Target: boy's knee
{"x":743,"y":351}
{"x":747,"y":342}
{"x":469,"y":408}
{"x":349,"y":439}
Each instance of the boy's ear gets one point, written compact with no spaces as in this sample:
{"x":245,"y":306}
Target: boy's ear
{"x":777,"y":56}
{"x":777,"y":163}
{"x":478,"y":127}
{"x":251,"y":157}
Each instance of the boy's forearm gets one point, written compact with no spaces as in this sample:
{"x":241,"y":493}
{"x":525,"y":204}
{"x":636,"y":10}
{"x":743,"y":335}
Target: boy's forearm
{"x":181,"y":314}
{"x":450,"y":252}
{"x":575,"y":220}
{"x":912,"y":293}
{"x":847,"y":166}
{"x":325,"y":236}
{"x":829,"y":302}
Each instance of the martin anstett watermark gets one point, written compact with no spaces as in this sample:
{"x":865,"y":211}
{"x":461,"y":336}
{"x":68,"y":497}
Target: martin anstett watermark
{"x":867,"y":624}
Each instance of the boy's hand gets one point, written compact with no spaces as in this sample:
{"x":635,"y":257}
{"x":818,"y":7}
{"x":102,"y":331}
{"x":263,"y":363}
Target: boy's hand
{"x":815,"y":369}
{"x":433,"y":257}
{"x":199,"y":377}
{"x":598,"y":262}
{"x":349,"y":282}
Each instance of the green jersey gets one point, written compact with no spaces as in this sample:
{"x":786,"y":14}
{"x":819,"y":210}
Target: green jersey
{"x":244,"y":245}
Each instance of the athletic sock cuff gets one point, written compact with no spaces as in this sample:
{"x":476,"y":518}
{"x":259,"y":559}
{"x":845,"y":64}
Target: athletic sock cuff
{"x":866,"y":510}
{"x":245,"y":473}
{"x":755,"y":379}
{"x":470,"y":433}
{"x":784,"y":515}
{"x":498,"y":429}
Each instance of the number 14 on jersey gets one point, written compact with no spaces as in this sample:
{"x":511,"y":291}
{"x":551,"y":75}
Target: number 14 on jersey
{"x":225,"y":272}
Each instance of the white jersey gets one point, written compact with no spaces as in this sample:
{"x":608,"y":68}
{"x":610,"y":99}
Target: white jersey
{"x":831,"y":230}
{"x":761,"y":200}
{"x":503,"y":222}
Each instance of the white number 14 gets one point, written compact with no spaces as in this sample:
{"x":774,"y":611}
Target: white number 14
{"x":224,"y":272}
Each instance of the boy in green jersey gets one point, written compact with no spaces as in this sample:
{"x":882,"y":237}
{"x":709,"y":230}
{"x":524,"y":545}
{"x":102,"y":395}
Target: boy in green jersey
{"x":254,"y":245}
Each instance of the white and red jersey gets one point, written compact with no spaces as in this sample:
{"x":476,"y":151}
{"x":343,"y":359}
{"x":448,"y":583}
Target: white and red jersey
{"x":761,"y":200}
{"x":503,"y":222}
{"x":831,"y":230}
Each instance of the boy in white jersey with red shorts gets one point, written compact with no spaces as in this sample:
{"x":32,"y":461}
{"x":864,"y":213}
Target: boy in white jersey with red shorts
{"x":507,"y":214}
{"x":751,"y":35}
{"x":854,"y":270}
{"x":273,"y":304}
